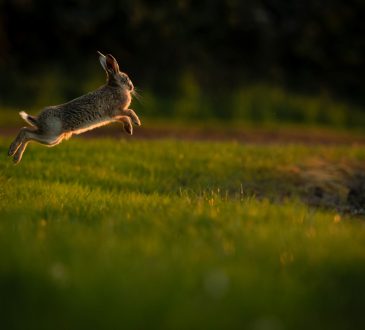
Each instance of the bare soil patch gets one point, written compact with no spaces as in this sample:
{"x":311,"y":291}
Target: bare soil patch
{"x":251,"y":135}
{"x":336,"y":186}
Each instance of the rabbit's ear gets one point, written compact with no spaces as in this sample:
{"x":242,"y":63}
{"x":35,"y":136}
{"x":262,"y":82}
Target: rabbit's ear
{"x":102,"y":60}
{"x":112,"y":64}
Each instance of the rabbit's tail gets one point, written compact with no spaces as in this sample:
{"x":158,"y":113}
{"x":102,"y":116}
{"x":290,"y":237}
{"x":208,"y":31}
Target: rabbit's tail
{"x":29,"y":119}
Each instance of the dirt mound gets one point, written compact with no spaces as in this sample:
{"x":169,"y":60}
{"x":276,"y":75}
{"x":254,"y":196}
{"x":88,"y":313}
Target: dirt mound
{"x":337,"y":186}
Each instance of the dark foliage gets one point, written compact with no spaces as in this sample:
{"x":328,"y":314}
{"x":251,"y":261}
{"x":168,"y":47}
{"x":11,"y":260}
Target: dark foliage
{"x":308,"y":45}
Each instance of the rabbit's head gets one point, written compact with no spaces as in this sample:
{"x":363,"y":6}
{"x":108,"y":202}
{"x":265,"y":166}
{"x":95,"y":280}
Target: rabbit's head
{"x":114,"y":75}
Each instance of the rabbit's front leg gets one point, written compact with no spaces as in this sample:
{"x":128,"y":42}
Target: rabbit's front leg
{"x":130,"y":113}
{"x":127,"y":123}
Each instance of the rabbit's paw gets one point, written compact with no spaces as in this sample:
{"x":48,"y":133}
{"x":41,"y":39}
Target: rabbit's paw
{"x":17,"y":158}
{"x":136,"y":120}
{"x":13,"y":148}
{"x":128,"y":128}
{"x":134,"y":117}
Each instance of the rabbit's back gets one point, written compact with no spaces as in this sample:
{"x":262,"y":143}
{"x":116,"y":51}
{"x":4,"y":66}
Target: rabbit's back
{"x":85,"y":112}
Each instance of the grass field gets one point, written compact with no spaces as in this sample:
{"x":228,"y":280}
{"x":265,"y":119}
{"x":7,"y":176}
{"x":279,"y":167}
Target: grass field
{"x":108,"y":234}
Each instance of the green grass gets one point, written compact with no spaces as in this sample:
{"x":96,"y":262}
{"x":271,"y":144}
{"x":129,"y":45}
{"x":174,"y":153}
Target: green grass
{"x":105,"y":234}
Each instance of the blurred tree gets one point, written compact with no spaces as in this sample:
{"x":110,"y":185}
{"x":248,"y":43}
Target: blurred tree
{"x":311,"y":45}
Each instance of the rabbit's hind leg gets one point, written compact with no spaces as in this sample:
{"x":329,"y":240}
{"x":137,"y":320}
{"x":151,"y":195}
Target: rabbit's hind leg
{"x":37,"y":137}
{"x":127,"y":123}
{"x":19,"y":153}
{"x":130,"y":113}
{"x":18,"y":140}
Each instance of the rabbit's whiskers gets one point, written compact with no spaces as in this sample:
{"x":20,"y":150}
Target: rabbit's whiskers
{"x":138,"y":96}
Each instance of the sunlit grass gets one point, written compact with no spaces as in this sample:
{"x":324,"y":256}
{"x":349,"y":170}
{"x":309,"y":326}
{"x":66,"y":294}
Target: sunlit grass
{"x":107,"y":234}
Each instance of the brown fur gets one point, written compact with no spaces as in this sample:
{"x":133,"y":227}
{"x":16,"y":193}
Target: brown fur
{"x":107,"y":104}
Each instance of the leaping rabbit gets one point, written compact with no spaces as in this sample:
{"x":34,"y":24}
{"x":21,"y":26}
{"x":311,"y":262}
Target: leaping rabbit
{"x":107,"y":104}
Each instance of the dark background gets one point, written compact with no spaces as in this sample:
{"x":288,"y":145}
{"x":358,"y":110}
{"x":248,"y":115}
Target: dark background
{"x":313,"y":47}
